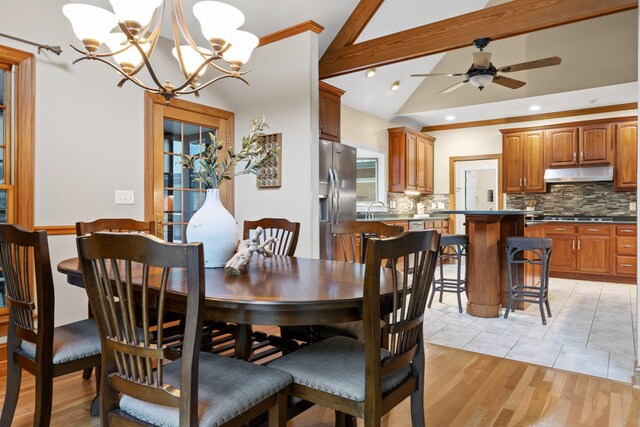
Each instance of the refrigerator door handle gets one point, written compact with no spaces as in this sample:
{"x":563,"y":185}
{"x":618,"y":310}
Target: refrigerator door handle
{"x":332,"y":191}
{"x":337,"y":191}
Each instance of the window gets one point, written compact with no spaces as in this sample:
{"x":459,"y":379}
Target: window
{"x":371,"y":178}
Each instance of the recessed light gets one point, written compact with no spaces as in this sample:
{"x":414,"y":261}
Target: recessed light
{"x":450,"y":118}
{"x":370,"y":73}
{"x":534,"y":108}
{"x":395,"y":85}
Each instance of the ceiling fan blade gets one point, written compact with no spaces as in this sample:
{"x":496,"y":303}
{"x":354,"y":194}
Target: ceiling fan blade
{"x":482,"y":59}
{"x":445,"y":74}
{"x":454,"y":87}
{"x":508,"y":82}
{"x":538,"y":63}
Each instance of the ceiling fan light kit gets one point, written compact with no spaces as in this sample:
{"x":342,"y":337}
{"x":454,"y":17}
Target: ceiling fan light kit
{"x":482,"y":71}
{"x":140,"y":22}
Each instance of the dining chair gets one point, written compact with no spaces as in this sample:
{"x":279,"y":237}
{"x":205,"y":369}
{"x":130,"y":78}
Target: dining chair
{"x":124,"y":225}
{"x":347,"y":243}
{"x":285,"y":231}
{"x":199,"y":388}
{"x":33,"y":343}
{"x":361,"y":379}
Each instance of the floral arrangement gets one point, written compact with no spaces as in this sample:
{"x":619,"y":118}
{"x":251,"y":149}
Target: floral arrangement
{"x":212,"y":167}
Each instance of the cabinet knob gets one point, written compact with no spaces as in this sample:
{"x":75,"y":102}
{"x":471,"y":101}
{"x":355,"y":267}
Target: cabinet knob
{"x":593,"y":229}
{"x":627,"y":265}
{"x":626,"y":231}
{"x":573,"y":245}
{"x":578,"y":244}
{"x":560,"y":229}
{"x":574,"y":156}
{"x":627,"y":246}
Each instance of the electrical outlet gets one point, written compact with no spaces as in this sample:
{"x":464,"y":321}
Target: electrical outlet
{"x":632,"y":206}
{"x":433,"y":205}
{"x":440,"y":205}
{"x":124,"y":197}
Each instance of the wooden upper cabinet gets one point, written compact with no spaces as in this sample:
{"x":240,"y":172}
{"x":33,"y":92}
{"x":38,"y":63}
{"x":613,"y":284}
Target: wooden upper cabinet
{"x":411,"y":162}
{"x":596,"y":144}
{"x":626,"y":156}
{"x":411,"y":156}
{"x":561,"y":147}
{"x":512,"y":160}
{"x":523,"y":159}
{"x":329,"y":97}
{"x":533,"y":162}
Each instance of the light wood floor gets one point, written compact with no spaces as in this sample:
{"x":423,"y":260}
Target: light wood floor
{"x":462,"y":389}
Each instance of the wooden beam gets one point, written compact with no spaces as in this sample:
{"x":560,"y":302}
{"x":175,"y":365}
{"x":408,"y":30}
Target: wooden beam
{"x":533,"y":117}
{"x":498,"y":22}
{"x":355,"y":24}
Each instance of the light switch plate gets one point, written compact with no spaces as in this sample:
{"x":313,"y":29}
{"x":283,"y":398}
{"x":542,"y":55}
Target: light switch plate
{"x":632,"y":206}
{"x":124,"y":197}
{"x":433,"y":205}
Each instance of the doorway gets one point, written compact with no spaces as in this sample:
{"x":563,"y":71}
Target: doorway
{"x":475,"y":186}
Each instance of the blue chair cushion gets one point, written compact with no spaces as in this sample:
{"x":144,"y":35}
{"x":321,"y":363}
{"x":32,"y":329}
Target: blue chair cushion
{"x":226,"y":388}
{"x":70,"y":342}
{"x":335,"y":366}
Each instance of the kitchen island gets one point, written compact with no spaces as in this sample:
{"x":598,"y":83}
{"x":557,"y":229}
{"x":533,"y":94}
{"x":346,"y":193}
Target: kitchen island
{"x":487,"y":283}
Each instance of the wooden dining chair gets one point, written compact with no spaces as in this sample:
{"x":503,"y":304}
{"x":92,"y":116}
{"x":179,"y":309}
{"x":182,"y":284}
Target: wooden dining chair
{"x":347,"y":243}
{"x":34,"y":345}
{"x":123,"y":225}
{"x":285,"y":231}
{"x":286,"y":234}
{"x":361,"y":379}
{"x":198,"y":388}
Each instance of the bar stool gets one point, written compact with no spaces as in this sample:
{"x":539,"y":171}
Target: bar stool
{"x":452,"y":247}
{"x":535,"y":251}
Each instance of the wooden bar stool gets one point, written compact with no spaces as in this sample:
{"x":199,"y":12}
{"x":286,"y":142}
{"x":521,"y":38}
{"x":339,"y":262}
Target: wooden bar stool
{"x":533,"y":251}
{"x":452,"y":247}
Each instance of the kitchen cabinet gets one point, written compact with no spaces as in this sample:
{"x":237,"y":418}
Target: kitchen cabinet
{"x":329,"y":100}
{"x":626,"y":156}
{"x":524,"y":162}
{"x":626,"y":251}
{"x":588,"y":145}
{"x":605,"y":252}
{"x":411,"y":157}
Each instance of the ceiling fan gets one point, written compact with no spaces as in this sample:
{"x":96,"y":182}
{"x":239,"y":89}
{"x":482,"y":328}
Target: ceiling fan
{"x":483,"y":72}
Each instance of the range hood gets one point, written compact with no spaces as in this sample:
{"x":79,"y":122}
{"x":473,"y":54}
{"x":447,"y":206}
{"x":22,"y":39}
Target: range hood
{"x":586,"y":174}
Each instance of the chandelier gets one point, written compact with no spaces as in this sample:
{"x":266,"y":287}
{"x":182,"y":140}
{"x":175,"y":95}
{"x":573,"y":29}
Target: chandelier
{"x":129,"y":50}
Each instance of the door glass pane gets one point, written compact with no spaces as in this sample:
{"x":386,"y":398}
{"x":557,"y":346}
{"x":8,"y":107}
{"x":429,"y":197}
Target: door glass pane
{"x":2,"y":80}
{"x":183,"y":194}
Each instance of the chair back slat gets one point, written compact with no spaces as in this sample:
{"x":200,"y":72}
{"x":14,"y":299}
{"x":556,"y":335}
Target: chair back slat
{"x":285,"y":232}
{"x":122,"y":270}
{"x":343,"y":238}
{"x":118,"y":225}
{"x":409,"y":298}
{"x":25,"y":264}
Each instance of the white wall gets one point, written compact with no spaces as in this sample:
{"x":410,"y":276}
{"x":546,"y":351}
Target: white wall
{"x":284,"y":87}
{"x":89,"y":133}
{"x":485,"y":140}
{"x":364,"y":129}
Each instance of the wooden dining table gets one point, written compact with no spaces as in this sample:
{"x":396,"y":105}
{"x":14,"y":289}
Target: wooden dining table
{"x":284,"y":291}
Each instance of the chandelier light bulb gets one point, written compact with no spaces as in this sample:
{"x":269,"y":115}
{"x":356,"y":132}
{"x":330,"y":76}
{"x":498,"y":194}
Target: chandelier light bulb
{"x":218,"y":21}
{"x":90,"y":24}
{"x":241,"y":46}
{"x":137,"y":11}
{"x":191,"y":58}
{"x":129,"y":58}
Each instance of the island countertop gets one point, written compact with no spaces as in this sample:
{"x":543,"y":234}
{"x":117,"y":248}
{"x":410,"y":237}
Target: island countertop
{"x":469,"y":212}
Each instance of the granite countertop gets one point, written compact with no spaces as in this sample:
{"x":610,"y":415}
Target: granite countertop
{"x":404,"y":217}
{"x":615,"y":220}
{"x":504,"y":212}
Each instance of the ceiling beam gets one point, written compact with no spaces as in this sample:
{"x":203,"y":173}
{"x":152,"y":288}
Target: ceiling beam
{"x":498,"y":22}
{"x":355,"y":24}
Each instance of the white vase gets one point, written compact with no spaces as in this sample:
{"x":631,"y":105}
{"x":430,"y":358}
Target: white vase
{"x":216,"y":228}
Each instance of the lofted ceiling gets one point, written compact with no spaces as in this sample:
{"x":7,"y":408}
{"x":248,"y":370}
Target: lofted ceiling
{"x":599,"y":67}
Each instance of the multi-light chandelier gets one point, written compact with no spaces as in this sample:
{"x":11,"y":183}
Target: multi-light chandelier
{"x":140,"y":22}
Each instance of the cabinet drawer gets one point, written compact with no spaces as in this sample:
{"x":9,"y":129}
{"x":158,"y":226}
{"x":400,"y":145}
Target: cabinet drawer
{"x":437,"y":224}
{"x":626,"y":265}
{"x":594,"y":229}
{"x":626,"y":246}
{"x":626,"y":230}
{"x":560,"y":229}
{"x":428,"y":225}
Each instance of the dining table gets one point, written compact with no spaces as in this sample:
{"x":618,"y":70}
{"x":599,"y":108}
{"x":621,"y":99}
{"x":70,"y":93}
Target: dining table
{"x":280,"y":290}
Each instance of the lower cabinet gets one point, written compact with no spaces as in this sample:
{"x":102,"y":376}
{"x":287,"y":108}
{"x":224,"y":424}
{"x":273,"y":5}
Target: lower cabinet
{"x":597,"y":252}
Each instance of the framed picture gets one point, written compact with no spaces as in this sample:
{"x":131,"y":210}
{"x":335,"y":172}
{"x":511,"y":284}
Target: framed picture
{"x":270,"y":175}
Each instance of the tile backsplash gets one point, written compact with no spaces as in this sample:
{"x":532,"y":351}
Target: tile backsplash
{"x":407,"y":204}
{"x":596,"y":199}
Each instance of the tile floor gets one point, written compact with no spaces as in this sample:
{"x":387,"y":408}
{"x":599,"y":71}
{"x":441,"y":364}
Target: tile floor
{"x":591,"y":331}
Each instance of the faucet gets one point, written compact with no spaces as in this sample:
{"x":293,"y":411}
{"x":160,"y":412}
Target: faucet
{"x":369,"y":213}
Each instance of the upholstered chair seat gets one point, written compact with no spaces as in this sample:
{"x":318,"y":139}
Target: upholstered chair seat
{"x":70,"y":342}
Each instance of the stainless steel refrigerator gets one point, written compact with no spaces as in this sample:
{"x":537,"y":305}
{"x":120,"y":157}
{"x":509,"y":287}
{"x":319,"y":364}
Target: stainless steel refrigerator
{"x":337,"y":187}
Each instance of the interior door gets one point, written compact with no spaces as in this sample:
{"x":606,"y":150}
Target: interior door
{"x":175,"y":193}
